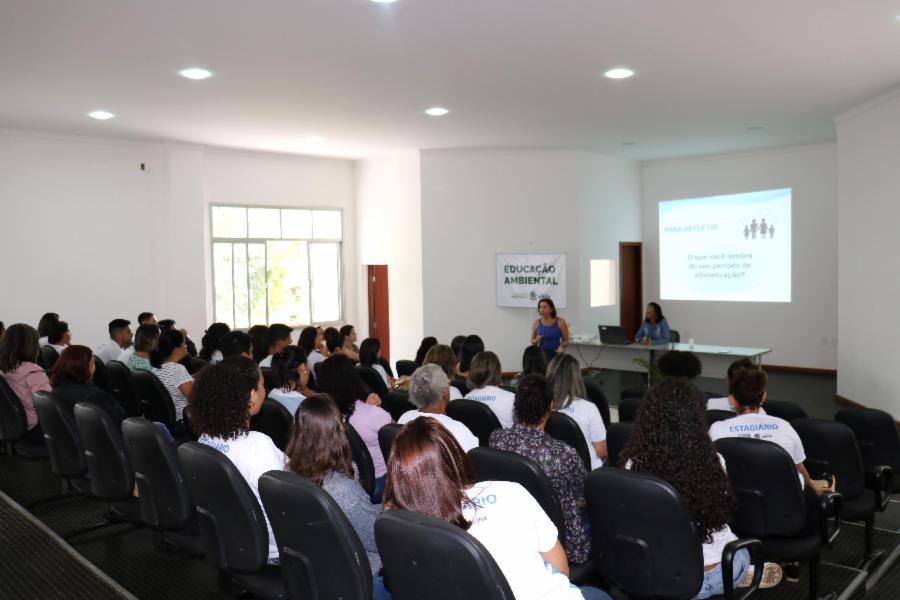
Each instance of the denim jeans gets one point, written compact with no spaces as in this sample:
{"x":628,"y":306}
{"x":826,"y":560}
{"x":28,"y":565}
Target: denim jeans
{"x":379,"y":489}
{"x":379,"y":592}
{"x":712,"y":580}
{"x":592,"y":593}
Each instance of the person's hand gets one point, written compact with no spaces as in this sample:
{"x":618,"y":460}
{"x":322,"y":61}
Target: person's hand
{"x":373,"y":399}
{"x":559,"y":349}
{"x":645,"y":342}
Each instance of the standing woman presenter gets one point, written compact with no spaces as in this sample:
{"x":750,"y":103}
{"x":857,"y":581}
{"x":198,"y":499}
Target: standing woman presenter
{"x":549,"y":333}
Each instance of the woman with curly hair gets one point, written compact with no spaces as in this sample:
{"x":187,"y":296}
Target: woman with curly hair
{"x":669,"y":440}
{"x":224,"y":398}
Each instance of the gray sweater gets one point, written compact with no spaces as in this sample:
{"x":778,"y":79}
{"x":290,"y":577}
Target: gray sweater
{"x":359,"y":509}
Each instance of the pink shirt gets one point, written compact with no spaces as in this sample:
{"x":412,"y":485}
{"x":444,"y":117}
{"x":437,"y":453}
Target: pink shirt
{"x":25,"y":379}
{"x":367,"y":420}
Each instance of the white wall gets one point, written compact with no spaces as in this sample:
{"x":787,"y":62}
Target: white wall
{"x":389,"y":232}
{"x":802,"y":333}
{"x":868,"y":213}
{"x":479,"y":203}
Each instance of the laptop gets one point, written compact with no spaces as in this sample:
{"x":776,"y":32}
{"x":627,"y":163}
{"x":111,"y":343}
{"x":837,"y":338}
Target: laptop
{"x":613,"y":334}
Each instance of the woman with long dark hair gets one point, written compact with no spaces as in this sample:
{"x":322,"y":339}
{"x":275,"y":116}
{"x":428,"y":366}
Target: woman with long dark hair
{"x":165,"y":363}
{"x":654,"y":329}
{"x":424,"y":347}
{"x":471,"y":346}
{"x":370,"y":356}
{"x":290,"y":375}
{"x":209,"y":350}
{"x":18,"y":366}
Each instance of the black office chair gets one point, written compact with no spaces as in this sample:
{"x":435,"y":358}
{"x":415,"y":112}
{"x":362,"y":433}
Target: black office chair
{"x":193,"y":364}
{"x":155,"y":398}
{"x":877,"y":438}
{"x":715,"y":415}
{"x":63,"y":445}
{"x":430,"y":558}
{"x":638,"y":393}
{"x":397,"y":403}
{"x":617,"y":436}
{"x":831,"y":449}
{"x":14,"y":433}
{"x":628,"y":409}
{"x":232,"y":523}
{"x":784,"y":410}
{"x":122,"y":388}
{"x":792,"y":523}
{"x":48,"y":357}
{"x":595,"y":394}
{"x":322,"y":557}
{"x":674,"y":336}
{"x":362,"y":458}
{"x":647,"y":543}
{"x":372,"y":381}
{"x":268,"y":380}
{"x":274,"y":420}
{"x":165,"y":501}
{"x":386,"y":436}
{"x":460,"y":384}
{"x":406,"y":367}
{"x":564,"y":428}
{"x":101,"y":378}
{"x":478,"y":417}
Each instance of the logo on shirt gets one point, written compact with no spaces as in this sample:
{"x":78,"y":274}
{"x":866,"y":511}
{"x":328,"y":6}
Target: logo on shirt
{"x":220,"y":446}
{"x":480,"y":501}
{"x":483,"y":398}
{"x":753,"y":428}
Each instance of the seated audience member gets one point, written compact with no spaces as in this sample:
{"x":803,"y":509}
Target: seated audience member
{"x":429,"y":392}
{"x":471,"y":346}
{"x":318,"y":450}
{"x":334,"y":343}
{"x":277,"y":337}
{"x":258,"y":334}
{"x":484,"y":379}
{"x":424,"y":347}
{"x":429,"y":473}
{"x":560,"y":462}
{"x":310,"y":340}
{"x":348,"y":333}
{"x":169,"y":324}
{"x":236,"y":343}
{"x":291,"y":378}
{"x":18,"y":366}
{"x":59,"y":336}
{"x":2,"y":329}
{"x":339,"y":379}
{"x":225,"y":397}
{"x":456,"y":345}
{"x":165,"y":361}
{"x":146,"y":318}
{"x":209,"y":344}
{"x":534,"y":362}
{"x":44,"y":325}
{"x":71,"y":378}
{"x":144,"y":342}
{"x":723,"y":402}
{"x":444,"y":357}
{"x":676,"y":363}
{"x":669,"y":441}
{"x":119,"y":340}
{"x":370,"y":356}
{"x":569,"y":396}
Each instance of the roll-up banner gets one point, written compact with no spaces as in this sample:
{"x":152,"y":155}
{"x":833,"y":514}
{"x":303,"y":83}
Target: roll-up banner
{"x":523,"y":279}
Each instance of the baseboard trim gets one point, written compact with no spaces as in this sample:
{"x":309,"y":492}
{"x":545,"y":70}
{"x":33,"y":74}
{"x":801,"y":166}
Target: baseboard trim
{"x":804,"y":370}
{"x":847,"y":402}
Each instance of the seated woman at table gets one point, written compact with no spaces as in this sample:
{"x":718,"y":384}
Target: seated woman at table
{"x":654,"y":330}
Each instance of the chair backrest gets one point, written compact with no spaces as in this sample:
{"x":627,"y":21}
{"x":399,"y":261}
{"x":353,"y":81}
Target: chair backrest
{"x":406,"y":367}
{"x":155,"y":398}
{"x":121,"y":386}
{"x":48,"y":357}
{"x":831,"y":448}
{"x":715,"y":415}
{"x":460,"y":384}
{"x":61,"y":435}
{"x":322,"y":557}
{"x":784,"y":410}
{"x":386,"y":436}
{"x":632,"y":393}
{"x":595,"y":394}
{"x":164,"y":500}
{"x":617,"y":436}
{"x":628,"y":409}
{"x":232,"y":523}
{"x":430,"y":558}
{"x":564,"y":428}
{"x":372,"y":381}
{"x":101,"y":377}
{"x":765,"y":481}
{"x":274,"y":420}
{"x":397,"y":403}
{"x":478,"y":417}
{"x":193,"y":364}
{"x":268,"y":379}
{"x":674,"y":336}
{"x":13,"y":422}
{"x":645,"y":540}
{"x":362,"y":458}
{"x":876,"y":434}
{"x":104,"y":450}
{"x":492,"y":464}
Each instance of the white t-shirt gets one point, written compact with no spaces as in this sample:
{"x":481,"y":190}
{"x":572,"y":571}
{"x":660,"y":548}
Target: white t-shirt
{"x":253,"y":453}
{"x":216,"y":357}
{"x":173,"y":375}
{"x":463,"y":434}
{"x":290,"y":400}
{"x":125,"y":354}
{"x":267,"y":361}
{"x":587,"y":415}
{"x":455,"y":394}
{"x":383,"y":374}
{"x":763,"y":427}
{"x":499,"y":400}
{"x":314,"y":357}
{"x":722,"y":404}
{"x":58,"y":347}
{"x":108,"y":351}
{"x":511,"y":525}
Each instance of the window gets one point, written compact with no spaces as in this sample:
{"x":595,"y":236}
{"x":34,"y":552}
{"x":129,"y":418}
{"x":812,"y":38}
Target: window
{"x":276,"y":265}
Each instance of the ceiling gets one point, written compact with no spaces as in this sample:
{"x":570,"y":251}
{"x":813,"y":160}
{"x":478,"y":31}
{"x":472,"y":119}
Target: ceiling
{"x":514,"y":73}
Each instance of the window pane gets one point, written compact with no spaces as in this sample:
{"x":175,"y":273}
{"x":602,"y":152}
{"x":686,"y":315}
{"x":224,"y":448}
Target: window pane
{"x":326,"y":282}
{"x":327,"y":224}
{"x":296,"y":224}
{"x":257,"y":268}
{"x":229,"y":222}
{"x":264,"y":223}
{"x":288,"y":271}
{"x":223,"y":283}
{"x":241,"y":297}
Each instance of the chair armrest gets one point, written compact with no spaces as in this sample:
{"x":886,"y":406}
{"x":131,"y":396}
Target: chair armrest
{"x":881,"y":480}
{"x":755,"y":548}
{"x":831,"y":504}
{"x":868,"y":453}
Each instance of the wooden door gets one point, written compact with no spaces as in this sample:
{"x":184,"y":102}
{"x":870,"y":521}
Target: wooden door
{"x":379,"y":323}
{"x":631,"y":300}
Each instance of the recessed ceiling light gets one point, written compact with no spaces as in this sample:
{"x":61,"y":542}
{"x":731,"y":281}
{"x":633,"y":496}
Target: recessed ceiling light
{"x":383,"y":1}
{"x":101,"y":115}
{"x":619,"y":73}
{"x":315,"y":139}
{"x":755,"y":128}
{"x":437,"y":111}
{"x":629,"y":143}
{"x":195,"y":73}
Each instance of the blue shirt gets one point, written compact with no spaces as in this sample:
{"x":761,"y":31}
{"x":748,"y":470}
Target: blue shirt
{"x":551,"y":335}
{"x":657,"y":334}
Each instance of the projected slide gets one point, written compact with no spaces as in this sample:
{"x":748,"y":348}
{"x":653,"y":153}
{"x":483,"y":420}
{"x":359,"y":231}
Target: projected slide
{"x":734,"y":248}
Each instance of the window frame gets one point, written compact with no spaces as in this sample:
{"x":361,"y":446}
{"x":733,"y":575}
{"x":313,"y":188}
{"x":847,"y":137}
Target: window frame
{"x":247,"y":241}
